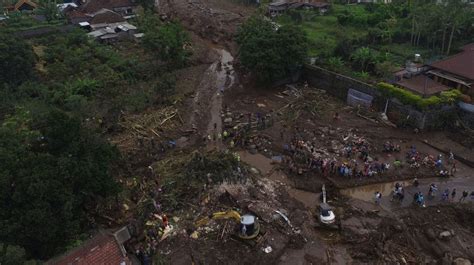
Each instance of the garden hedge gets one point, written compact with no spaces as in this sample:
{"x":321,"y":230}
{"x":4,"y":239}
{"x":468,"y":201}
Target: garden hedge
{"x":410,"y":98}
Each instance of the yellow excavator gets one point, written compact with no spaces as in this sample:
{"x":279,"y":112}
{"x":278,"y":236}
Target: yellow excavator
{"x":248,"y":225}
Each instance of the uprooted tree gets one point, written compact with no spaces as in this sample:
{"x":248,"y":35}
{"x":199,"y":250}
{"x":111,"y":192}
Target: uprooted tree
{"x":271,"y":52}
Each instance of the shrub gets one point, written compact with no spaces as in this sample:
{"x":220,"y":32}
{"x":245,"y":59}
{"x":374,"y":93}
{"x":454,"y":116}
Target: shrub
{"x":335,"y":63}
{"x":450,"y":96}
{"x":409,"y":98}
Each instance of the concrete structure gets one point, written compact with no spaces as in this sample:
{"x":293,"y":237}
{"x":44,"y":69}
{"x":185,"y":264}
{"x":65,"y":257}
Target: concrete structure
{"x":281,"y":6}
{"x":112,"y":32}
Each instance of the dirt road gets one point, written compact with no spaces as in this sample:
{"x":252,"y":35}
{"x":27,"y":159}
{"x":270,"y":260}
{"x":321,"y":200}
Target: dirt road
{"x":206,"y":107}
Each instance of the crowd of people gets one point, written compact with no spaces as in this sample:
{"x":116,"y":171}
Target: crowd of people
{"x":419,"y":198}
{"x":354,"y":159}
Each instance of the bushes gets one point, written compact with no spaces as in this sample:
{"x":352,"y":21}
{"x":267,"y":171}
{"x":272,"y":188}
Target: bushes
{"x":409,"y":98}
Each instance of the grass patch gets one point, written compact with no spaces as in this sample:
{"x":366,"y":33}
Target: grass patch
{"x":404,"y":51}
{"x":324,"y":32}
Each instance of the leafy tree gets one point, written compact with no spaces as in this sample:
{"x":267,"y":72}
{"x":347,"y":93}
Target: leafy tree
{"x":364,"y":56}
{"x":17,"y":60}
{"x":345,"y":47}
{"x":148,"y":5}
{"x":49,"y":9}
{"x":51,"y":170}
{"x":268,"y":52}
{"x":13,"y":255}
{"x":168,"y":43}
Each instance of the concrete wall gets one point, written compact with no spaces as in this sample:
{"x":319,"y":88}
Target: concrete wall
{"x":466,"y":114}
{"x":403,"y":115}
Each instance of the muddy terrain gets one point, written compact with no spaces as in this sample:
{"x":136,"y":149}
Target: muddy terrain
{"x":284,"y":140}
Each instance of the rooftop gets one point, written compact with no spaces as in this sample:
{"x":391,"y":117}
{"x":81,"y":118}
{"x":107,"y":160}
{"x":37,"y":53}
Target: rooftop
{"x":105,"y":16}
{"x":101,"y":249}
{"x":422,"y":84}
{"x":92,"y":6}
{"x":461,"y":64}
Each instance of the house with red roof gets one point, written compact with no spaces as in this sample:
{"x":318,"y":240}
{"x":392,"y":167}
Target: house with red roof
{"x":105,"y":248}
{"x":456,"y":71}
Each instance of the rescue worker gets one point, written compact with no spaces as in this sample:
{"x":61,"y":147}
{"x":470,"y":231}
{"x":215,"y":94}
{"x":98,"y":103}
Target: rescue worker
{"x":451,"y":157}
{"x":421,"y":199}
{"x":165,"y":221}
{"x":453,"y":194}
{"x":416,"y":183}
{"x":445,"y":195}
{"x":464,"y":196}
{"x":378,"y":197}
{"x":432,"y":190}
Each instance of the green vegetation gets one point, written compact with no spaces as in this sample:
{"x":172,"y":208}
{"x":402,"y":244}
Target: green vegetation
{"x":13,"y":255}
{"x":59,"y":94}
{"x":49,"y":10}
{"x":52,"y":170}
{"x":324,"y":32}
{"x":270,"y":53}
{"x":16,"y":60}
{"x":409,"y":98}
{"x":376,"y":38}
{"x":167,"y":41}
{"x":19,"y":21}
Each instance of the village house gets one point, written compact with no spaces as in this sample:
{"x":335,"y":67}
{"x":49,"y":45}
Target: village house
{"x":280,"y":7}
{"x":103,"y":248}
{"x":123,"y":7}
{"x":112,"y":32}
{"x":21,"y":5}
{"x":456,"y":71}
{"x":105,"y":19}
{"x":85,"y":11}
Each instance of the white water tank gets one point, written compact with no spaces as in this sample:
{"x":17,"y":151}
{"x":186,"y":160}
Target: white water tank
{"x":417,"y":57}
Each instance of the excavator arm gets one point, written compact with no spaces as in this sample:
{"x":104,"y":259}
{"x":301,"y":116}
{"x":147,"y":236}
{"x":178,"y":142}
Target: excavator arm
{"x":231,"y":214}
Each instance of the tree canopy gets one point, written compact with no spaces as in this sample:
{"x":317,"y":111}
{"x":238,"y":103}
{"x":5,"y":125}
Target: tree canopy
{"x":17,"y":60}
{"x":52,"y":169}
{"x":271,"y":53}
{"x":166,"y":41}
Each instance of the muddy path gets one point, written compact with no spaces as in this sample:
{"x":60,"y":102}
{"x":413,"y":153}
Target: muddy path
{"x":206,"y":106}
{"x":366,"y":193}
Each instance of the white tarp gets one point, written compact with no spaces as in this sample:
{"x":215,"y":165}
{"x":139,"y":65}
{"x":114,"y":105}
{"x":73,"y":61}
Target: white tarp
{"x":356,"y":98}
